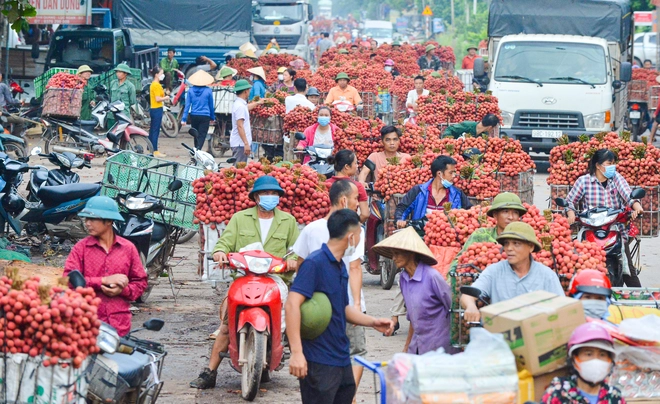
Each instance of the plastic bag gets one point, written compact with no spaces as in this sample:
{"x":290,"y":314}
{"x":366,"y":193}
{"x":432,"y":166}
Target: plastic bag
{"x":444,"y":256}
{"x":646,"y":328}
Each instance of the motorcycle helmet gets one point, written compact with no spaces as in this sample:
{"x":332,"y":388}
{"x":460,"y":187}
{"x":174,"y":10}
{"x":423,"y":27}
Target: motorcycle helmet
{"x":590,"y":281}
{"x":591,"y":335}
{"x":471,"y":152}
{"x":13,"y":203}
{"x":101,"y":207}
{"x":315,"y":315}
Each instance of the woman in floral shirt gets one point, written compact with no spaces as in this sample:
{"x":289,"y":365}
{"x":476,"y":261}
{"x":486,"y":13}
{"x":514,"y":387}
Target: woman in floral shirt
{"x":591,"y":355}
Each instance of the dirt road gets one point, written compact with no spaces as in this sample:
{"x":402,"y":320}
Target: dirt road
{"x":192,"y":315}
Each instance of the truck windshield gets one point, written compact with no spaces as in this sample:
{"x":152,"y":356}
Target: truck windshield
{"x":272,"y":12}
{"x":378,"y":32}
{"x":552,"y":62}
{"x":73,"y":50}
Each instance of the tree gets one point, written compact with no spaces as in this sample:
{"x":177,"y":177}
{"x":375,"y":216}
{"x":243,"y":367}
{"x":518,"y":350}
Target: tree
{"x":17,"y":11}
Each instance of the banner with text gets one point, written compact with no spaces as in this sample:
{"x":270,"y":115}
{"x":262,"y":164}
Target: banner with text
{"x":65,"y":12}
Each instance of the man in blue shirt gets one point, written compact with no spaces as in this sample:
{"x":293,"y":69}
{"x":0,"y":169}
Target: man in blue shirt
{"x":323,"y":364}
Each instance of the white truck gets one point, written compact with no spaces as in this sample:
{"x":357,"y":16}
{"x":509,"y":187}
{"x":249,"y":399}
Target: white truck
{"x":381,"y":31}
{"x":559,"y":68}
{"x":285,"y":20}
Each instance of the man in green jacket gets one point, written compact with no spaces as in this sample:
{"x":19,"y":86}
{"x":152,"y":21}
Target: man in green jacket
{"x":169,"y":64}
{"x":122,"y":89}
{"x":85,"y":72}
{"x":263,"y":227}
{"x":488,"y":123}
{"x":506,"y":208}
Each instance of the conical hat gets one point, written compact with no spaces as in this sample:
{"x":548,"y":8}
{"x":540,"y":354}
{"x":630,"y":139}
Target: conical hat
{"x":247,"y":46}
{"x":201,"y":78}
{"x":258,"y":71}
{"x":406,"y":240}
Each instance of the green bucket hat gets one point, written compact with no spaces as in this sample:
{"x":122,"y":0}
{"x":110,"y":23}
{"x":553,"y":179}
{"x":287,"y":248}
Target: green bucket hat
{"x":315,"y":315}
{"x":342,"y":76}
{"x":123,"y":67}
{"x":101,"y":207}
{"x":242,"y":85}
{"x":520,"y":231}
{"x":226,"y":71}
{"x":396,"y":43}
{"x":343,"y":51}
{"x":436,"y":75}
{"x":83,"y":69}
{"x":506,"y":200}
{"x":430,"y":48}
{"x":240,"y":55}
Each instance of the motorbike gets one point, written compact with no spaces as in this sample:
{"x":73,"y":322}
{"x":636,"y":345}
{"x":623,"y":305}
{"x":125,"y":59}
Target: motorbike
{"x":318,"y":157}
{"x":200,"y":158}
{"x":65,"y":161}
{"x":55,"y":212}
{"x":129,"y":368}
{"x":254,"y":304}
{"x":100,"y":112}
{"x":599,"y":225}
{"x":638,"y":114}
{"x":169,"y":124}
{"x":80,"y":134}
{"x":11,"y":145}
{"x":155,"y":241}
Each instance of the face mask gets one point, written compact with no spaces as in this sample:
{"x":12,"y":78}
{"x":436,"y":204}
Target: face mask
{"x":610,"y":171}
{"x":447,"y":184}
{"x":273,"y":41}
{"x":597,"y":309}
{"x":324,"y":120}
{"x":280,"y":77}
{"x":350,"y":251}
{"x":269,"y":202}
{"x":388,"y":68}
{"x":161,"y":77}
{"x":594,"y":371}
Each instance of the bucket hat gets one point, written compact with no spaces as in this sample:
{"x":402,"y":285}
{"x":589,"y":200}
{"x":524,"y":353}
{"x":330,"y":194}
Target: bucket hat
{"x":506,"y":200}
{"x":313,"y":91}
{"x":396,"y":43}
{"x":240,"y":55}
{"x":405,"y":240}
{"x":123,"y":67}
{"x":83,"y":69}
{"x":101,"y":207}
{"x":591,"y":335}
{"x":226,"y":71}
{"x":242,"y":85}
{"x":342,"y":76}
{"x":520,"y":231}
{"x":258,"y":71}
{"x":430,"y":48}
{"x":472,"y":47}
{"x":201,"y":79}
{"x":265,"y":183}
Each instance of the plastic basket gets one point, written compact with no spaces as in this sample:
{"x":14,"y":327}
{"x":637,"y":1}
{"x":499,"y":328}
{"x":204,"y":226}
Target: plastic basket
{"x":132,"y":172}
{"x":41,"y":81}
{"x":267,"y":130}
{"x":223,"y":99}
{"x":653,"y":99}
{"x":105,"y":384}
{"x":638,"y":91}
{"x":368,"y":105}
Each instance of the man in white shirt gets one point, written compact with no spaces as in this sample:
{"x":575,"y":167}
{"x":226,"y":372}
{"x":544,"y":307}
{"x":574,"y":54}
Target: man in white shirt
{"x":413,"y":95}
{"x":240,"y":140}
{"x":299,"y":98}
{"x":343,"y":195}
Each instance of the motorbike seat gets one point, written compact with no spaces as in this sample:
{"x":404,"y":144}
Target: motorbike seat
{"x":132,"y":368}
{"x":57,"y":194}
{"x":159,"y":232}
{"x":85,"y":122}
{"x":39,"y":176}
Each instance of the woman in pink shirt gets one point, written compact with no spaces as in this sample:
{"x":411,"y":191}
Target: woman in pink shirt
{"x":321,"y":133}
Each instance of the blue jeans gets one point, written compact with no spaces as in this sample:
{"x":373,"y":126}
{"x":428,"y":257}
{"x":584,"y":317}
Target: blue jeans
{"x":154,"y":129}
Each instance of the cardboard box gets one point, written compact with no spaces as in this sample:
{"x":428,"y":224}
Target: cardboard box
{"x":537,"y":326}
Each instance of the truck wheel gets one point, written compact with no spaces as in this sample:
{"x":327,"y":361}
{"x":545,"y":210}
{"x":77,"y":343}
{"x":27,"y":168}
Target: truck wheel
{"x":255,"y":351}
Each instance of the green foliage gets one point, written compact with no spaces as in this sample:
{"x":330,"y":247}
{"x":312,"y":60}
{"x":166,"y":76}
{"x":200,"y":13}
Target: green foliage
{"x":17,"y":11}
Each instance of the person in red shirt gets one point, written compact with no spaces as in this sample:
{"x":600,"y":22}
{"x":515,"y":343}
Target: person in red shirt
{"x":346,"y":167}
{"x":110,"y":264}
{"x":468,"y":60}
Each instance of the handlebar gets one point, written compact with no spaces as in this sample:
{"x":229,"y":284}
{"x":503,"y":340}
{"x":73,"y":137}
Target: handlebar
{"x":188,"y":147}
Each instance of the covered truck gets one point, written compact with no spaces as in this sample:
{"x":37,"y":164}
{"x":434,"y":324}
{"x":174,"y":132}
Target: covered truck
{"x":559,"y":67}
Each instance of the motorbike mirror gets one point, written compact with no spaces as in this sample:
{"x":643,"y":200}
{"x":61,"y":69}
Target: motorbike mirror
{"x":175,"y":185}
{"x":193,"y":132}
{"x":617,"y":84}
{"x":231,"y":160}
{"x":154,"y":324}
{"x":299,"y":136}
{"x":77,"y":279}
{"x":561,"y":202}
{"x":35,"y":151}
{"x":470,"y":291}
{"x":370,"y":165}
{"x":34,"y":102}
{"x":638,"y":193}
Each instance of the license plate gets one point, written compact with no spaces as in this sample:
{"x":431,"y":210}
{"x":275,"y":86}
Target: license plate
{"x":547,"y":134}
{"x":635,"y":114}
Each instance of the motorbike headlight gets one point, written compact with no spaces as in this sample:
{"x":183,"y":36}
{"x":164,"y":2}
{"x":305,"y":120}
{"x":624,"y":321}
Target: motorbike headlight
{"x":598,"y":219}
{"x":137,"y":204}
{"x":594,"y":120}
{"x":63,"y":160}
{"x":258,"y":265}
{"x":108,"y":339}
{"x":507,"y":118}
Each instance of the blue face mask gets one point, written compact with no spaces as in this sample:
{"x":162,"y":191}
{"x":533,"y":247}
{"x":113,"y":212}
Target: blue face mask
{"x":324,"y":120}
{"x":610,"y":171}
{"x":447,"y":184}
{"x":269,"y":202}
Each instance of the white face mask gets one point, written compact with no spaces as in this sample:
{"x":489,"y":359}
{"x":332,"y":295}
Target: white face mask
{"x":597,"y":309}
{"x":350,"y":251}
{"x":595,"y":370}
{"x":161,"y":77}
{"x":273,"y":41}
{"x":388,"y":68}
{"x":280,"y":77}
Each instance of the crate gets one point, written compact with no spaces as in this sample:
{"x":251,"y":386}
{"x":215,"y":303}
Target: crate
{"x":646,"y":297}
{"x":459,"y":331}
{"x":131,"y":172}
{"x":62,"y":102}
{"x":651,"y":201}
{"x":648,"y":224}
{"x":653,"y":98}
{"x":223,"y":99}
{"x":41,"y":81}
{"x":638,"y":91}
{"x":267,"y":130}
{"x":521,"y":184}
{"x":474,"y":201}
{"x":368,"y":105}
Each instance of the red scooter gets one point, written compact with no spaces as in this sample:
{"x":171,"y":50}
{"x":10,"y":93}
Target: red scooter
{"x":254,"y":305}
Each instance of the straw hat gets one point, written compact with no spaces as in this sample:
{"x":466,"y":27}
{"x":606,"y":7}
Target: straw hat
{"x":247,"y":46}
{"x":258,"y":71}
{"x":201,"y":79}
{"x":405,"y":240}
{"x":281,"y":70}
{"x":250,"y":54}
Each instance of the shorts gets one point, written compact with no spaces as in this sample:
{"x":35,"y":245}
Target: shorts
{"x":327,"y":384}
{"x":239,"y":154}
{"x":358,"y":339}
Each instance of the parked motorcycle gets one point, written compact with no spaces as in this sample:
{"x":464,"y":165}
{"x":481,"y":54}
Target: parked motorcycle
{"x":129,"y":369}
{"x":155,"y":241}
{"x":65,"y":161}
{"x":318,"y":157}
{"x":169,"y":125}
{"x":599,"y":225}
{"x":80,"y":134}
{"x":638,"y":114}
{"x":100,"y":112}
{"x":198,"y":157}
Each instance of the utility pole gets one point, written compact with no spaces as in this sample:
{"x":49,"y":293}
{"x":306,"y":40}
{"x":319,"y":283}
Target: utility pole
{"x":474,"y":7}
{"x":467,"y":12}
{"x":452,"y":13}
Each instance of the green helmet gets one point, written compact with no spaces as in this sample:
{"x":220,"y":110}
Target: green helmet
{"x":315,"y":316}
{"x":436,"y":75}
{"x":506,"y":200}
{"x":343,"y":51}
{"x":101,"y":207}
{"x":123,"y":67}
{"x":240,"y":55}
{"x":520,"y":231}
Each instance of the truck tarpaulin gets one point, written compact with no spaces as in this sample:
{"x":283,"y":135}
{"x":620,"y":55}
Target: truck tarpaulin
{"x":608,"y":19}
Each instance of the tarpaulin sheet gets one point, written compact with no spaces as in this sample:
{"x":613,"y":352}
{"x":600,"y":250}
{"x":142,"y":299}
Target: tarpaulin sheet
{"x":608,"y":19}
{"x":184,"y":15}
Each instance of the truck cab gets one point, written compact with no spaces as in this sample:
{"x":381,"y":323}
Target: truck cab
{"x":381,"y":31}
{"x":285,"y":20}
